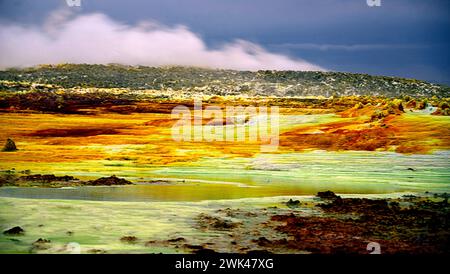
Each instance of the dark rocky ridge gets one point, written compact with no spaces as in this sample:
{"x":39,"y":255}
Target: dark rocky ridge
{"x":50,"y":180}
{"x":218,"y":82}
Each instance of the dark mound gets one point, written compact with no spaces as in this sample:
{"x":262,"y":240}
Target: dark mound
{"x":9,"y":145}
{"x":17,"y":230}
{"x":109,"y":181}
{"x":47,"y":178}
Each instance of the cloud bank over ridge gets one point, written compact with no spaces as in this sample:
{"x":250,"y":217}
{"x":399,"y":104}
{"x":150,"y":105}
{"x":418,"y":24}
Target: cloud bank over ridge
{"x":97,"y":39}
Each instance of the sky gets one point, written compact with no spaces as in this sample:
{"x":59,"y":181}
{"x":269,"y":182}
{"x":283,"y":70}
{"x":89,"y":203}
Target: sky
{"x":406,"y":38}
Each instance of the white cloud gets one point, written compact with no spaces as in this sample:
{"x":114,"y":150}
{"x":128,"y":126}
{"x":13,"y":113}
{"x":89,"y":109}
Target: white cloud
{"x":96,"y":38}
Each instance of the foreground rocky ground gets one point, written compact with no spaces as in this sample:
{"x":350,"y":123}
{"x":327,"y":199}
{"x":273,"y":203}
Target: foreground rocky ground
{"x":324,"y":224}
{"x":335,"y":225}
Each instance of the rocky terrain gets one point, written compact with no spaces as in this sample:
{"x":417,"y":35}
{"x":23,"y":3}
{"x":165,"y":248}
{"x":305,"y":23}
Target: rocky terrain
{"x":325,"y":224}
{"x":9,"y":178}
{"x":353,"y":133}
{"x":408,"y":225}
{"x":192,"y":80}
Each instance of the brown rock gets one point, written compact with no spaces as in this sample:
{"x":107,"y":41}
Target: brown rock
{"x":17,"y":230}
{"x":109,"y":181}
{"x":9,"y":145}
{"x":129,"y":239}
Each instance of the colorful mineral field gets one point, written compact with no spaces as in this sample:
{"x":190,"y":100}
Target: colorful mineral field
{"x":256,"y":129}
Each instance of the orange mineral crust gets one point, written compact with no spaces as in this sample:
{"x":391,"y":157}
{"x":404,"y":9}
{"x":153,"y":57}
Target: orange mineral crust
{"x":403,"y":133}
{"x":143,"y":133}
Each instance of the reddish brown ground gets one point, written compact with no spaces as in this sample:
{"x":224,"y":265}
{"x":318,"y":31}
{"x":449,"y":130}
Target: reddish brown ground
{"x":421,"y":228}
{"x":408,"y":225}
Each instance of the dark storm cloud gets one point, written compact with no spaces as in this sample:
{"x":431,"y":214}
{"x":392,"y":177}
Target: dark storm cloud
{"x":402,"y":37}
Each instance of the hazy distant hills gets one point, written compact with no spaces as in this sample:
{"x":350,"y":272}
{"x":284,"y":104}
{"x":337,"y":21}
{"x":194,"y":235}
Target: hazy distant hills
{"x":224,"y":82}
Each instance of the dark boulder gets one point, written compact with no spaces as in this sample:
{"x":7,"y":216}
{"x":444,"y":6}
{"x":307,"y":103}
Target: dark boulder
{"x":262,"y":241}
{"x":41,"y":244}
{"x":9,"y":145}
{"x":215,"y":223}
{"x":291,"y":203}
{"x":47,"y":178}
{"x":3,"y":181}
{"x":179,"y":239}
{"x":327,"y":195}
{"x":96,"y":251}
{"x":109,"y":181}
{"x":129,"y":239}
{"x":17,"y":230}
{"x":204,"y":251}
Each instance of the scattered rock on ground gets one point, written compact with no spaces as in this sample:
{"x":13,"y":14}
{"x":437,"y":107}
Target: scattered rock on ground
{"x":291,"y":203}
{"x":179,"y":239}
{"x":215,"y":223}
{"x":17,"y":230}
{"x":96,"y":251}
{"x":109,"y":181}
{"x":129,"y":239}
{"x":42,"y":243}
{"x":9,"y":145}
{"x":47,"y":178}
{"x":327,"y":195}
{"x":262,"y":241}
{"x":199,"y":249}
